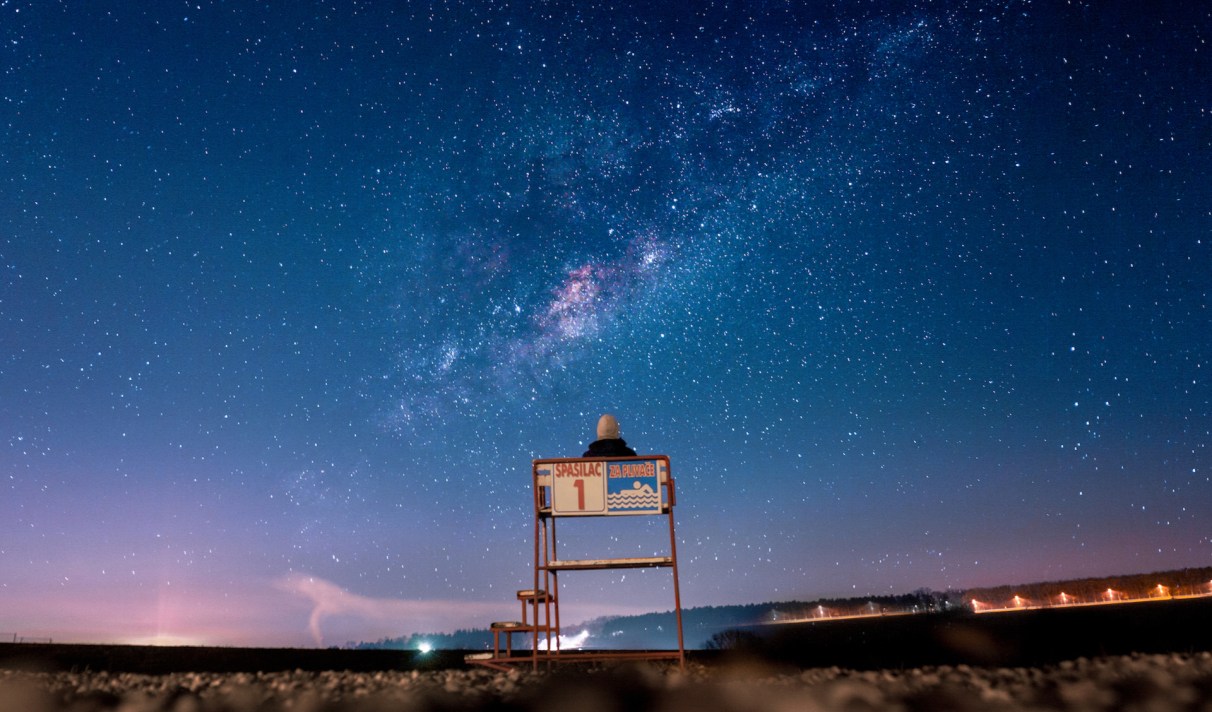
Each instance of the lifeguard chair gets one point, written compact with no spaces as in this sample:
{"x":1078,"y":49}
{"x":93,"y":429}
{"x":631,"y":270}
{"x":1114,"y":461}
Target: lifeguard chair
{"x":574,"y":488}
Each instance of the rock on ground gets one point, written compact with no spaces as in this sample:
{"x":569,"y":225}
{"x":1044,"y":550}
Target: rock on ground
{"x":1148,"y":683}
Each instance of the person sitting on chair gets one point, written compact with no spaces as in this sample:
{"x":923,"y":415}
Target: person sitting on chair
{"x":609,"y":442}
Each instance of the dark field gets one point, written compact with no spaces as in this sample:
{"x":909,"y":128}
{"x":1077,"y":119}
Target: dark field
{"x":155,"y":660}
{"x":1031,"y":637}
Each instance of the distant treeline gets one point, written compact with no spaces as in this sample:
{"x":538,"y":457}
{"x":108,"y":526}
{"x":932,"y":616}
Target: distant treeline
{"x":699,"y":625}
{"x":1181,"y":582}
{"x":703,"y":624}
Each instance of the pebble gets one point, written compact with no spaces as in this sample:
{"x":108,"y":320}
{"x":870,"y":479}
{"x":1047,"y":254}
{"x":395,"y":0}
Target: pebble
{"x":1148,"y":683}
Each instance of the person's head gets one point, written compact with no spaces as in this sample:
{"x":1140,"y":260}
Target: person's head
{"x":608,"y":427}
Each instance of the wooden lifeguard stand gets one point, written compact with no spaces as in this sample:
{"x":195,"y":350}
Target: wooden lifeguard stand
{"x":569,"y":489}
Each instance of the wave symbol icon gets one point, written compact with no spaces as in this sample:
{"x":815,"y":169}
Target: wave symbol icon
{"x":640,"y":497}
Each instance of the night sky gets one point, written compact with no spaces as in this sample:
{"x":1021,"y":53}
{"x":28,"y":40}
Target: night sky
{"x":292,"y":293}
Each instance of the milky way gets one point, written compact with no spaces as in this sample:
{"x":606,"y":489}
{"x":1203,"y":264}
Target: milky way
{"x":911,"y":295}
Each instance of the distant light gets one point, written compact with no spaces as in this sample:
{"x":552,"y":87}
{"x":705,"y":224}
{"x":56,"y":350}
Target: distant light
{"x":569,"y":642}
{"x":425,"y":647}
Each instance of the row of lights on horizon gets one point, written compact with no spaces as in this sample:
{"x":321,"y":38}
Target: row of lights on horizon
{"x":1108,"y":596}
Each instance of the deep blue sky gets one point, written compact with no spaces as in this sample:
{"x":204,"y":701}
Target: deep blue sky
{"x":292,"y":293}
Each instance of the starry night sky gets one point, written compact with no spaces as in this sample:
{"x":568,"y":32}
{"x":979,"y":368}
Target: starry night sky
{"x":912,"y":295}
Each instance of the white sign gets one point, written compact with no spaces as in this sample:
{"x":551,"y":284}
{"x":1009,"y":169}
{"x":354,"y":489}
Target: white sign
{"x":578,"y":488}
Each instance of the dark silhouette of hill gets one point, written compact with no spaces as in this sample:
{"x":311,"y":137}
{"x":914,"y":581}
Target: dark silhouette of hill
{"x":1017,"y":638}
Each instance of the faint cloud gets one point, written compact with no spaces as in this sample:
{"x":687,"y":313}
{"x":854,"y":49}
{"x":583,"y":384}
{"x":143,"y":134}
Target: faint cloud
{"x":328,"y":600}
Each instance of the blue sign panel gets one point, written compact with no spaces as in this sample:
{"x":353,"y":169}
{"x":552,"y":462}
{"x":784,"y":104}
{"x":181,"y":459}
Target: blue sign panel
{"x":633,"y":487}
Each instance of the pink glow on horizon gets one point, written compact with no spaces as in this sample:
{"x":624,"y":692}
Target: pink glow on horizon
{"x":295,"y":611}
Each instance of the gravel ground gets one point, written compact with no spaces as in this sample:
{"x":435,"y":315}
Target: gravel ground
{"x":1144,"y":683}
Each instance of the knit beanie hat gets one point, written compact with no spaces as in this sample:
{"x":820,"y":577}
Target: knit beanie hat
{"x":608,"y":428}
